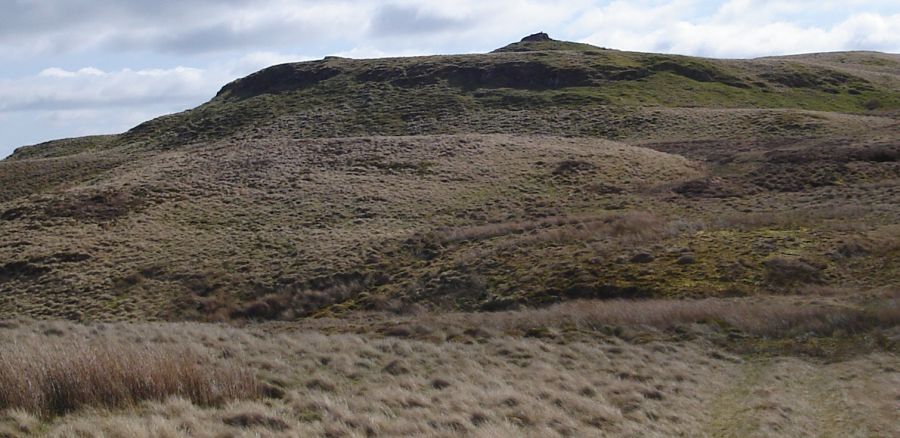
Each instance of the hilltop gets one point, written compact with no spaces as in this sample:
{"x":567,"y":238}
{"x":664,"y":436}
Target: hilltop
{"x":531,"y":87}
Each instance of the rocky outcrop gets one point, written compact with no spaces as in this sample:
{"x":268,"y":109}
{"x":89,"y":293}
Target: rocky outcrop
{"x":279,"y":78}
{"x":512,"y":74}
{"x":540,"y":36}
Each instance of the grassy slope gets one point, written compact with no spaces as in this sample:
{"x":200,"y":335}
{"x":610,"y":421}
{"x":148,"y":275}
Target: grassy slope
{"x":458,"y":221}
{"x":237,"y":209}
{"x":247,"y":221}
{"x":766,"y":188}
{"x":595,"y":93}
{"x":584,"y":369}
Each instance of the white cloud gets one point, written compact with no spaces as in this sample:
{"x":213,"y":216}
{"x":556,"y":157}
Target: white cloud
{"x":738,"y":28}
{"x":58,"y":103}
{"x":55,"y":72}
{"x":732,"y":28}
{"x":56,"y":88}
{"x":203,"y":26}
{"x":254,"y":61}
{"x":92,"y":88}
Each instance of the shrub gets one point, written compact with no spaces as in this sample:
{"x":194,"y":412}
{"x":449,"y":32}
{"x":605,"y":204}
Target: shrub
{"x":872,"y":104}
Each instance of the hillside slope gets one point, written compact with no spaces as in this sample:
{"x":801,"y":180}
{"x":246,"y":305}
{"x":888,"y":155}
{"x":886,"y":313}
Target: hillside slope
{"x":535,"y":87}
{"x":537,"y":173}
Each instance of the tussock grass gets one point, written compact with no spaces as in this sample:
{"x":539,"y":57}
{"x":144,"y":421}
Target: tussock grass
{"x":771,"y":319}
{"x":628,"y":228}
{"x":55,"y":378}
{"x":349,"y":380}
{"x":487,"y":231}
{"x":793,"y":218}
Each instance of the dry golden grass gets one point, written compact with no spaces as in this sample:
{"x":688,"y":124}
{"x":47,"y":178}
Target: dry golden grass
{"x":777,"y":319}
{"x":482,"y":380}
{"x":53,"y":377}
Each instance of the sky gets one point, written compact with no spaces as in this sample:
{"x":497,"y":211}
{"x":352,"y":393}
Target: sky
{"x":79,"y":67}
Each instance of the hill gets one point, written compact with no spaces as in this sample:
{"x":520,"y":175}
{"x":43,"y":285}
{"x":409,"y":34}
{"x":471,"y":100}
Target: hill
{"x":540,"y":172}
{"x":532,"y":87}
{"x":551,"y":239}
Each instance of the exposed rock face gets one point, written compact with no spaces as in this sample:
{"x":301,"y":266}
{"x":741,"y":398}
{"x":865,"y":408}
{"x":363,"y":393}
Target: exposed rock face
{"x":530,"y":73}
{"x":279,"y":78}
{"x":540,"y":36}
{"x":512,"y":74}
